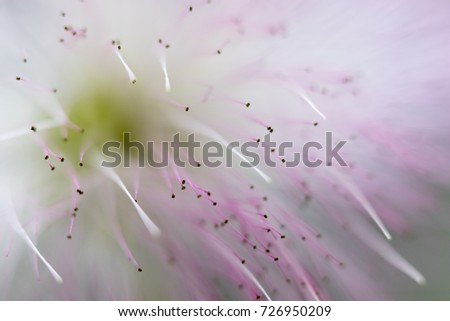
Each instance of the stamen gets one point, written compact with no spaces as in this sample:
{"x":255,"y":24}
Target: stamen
{"x":213,"y":134}
{"x":47,"y":152}
{"x":151,"y":227}
{"x":255,"y":281}
{"x":305,"y":97}
{"x":48,"y":124}
{"x":136,"y":189}
{"x":162,"y":61}
{"x":226,"y":253}
{"x":16,"y":225}
{"x":360,"y":197}
{"x":222,"y":47}
{"x":124,"y":246}
{"x":130,"y":72}
{"x":72,"y":221}
{"x":390,"y":255}
{"x":82,"y":152}
{"x":35,"y":85}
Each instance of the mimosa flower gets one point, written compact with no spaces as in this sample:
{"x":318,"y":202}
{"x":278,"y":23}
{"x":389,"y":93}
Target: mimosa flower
{"x":76,"y":75}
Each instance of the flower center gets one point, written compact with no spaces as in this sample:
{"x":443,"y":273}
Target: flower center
{"x":105,"y":113}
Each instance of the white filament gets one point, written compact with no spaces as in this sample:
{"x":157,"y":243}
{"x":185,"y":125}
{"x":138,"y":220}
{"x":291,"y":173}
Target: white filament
{"x":21,"y":232}
{"x":390,"y":255}
{"x":151,"y":227}
{"x":130,"y":72}
{"x":162,"y":61}
{"x":359,"y":196}
{"x":308,"y":100}
{"x":255,"y":281}
{"x":12,"y":219}
{"x":225,"y":252}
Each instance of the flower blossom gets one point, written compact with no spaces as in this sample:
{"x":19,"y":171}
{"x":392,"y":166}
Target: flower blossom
{"x":77,"y":74}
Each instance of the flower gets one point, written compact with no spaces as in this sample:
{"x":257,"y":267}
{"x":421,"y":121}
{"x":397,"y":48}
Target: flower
{"x":78,"y":74}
